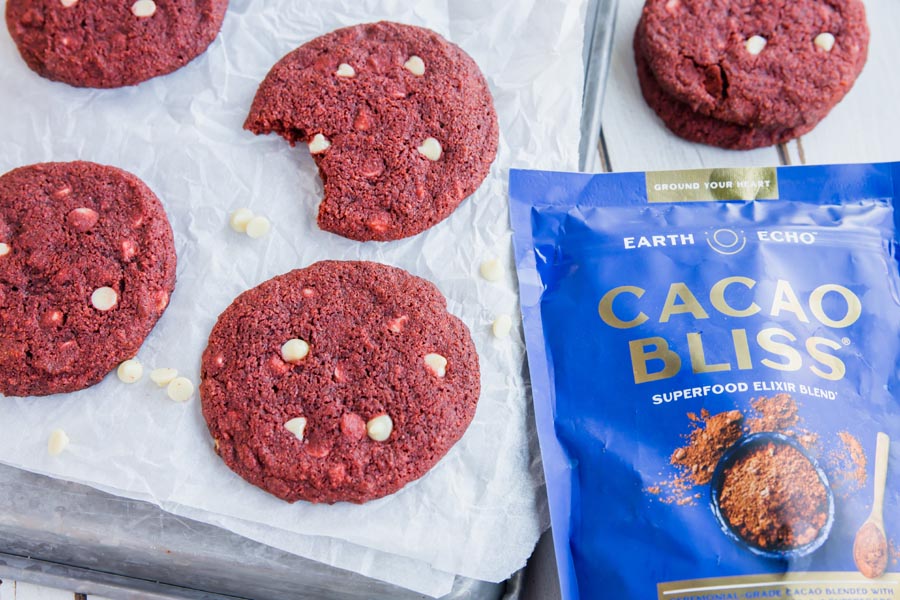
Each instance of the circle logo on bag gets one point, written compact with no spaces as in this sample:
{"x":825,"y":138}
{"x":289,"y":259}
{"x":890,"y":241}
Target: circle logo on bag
{"x":726,"y":241}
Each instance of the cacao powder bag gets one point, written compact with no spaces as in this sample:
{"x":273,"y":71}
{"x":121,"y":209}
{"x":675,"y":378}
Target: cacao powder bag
{"x":714,"y":358}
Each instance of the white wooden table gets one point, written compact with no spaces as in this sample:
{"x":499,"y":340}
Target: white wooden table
{"x":865,"y":127}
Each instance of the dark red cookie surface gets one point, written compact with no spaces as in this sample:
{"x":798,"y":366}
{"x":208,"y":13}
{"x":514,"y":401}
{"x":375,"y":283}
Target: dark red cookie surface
{"x":697,"y":49}
{"x":68,"y":230}
{"x":369,"y":328}
{"x":103,"y":44}
{"x":375,"y":113}
{"x":697,"y":127}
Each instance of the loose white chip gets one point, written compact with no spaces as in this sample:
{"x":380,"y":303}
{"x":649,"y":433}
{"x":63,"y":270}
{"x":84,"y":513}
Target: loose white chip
{"x":491,"y":270}
{"x":258,"y":227}
{"x":104,"y":298}
{"x":297,"y":427}
{"x":380,"y":428}
{"x":294,"y":350}
{"x":415,"y":65}
{"x":240,"y":219}
{"x":68,"y":3}
{"x":319,"y":144}
{"x":437,"y":364}
{"x":825,"y":41}
{"x":430,"y":149}
{"x":180,"y":389}
{"x":143,"y":8}
{"x":345,"y":70}
{"x":130,"y":371}
{"x":4,"y":249}
{"x":502,"y":326}
{"x":755,"y":44}
{"x":57,"y":442}
{"x":163,"y":377}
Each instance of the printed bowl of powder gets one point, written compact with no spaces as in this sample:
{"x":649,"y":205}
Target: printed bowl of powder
{"x":771,"y":497}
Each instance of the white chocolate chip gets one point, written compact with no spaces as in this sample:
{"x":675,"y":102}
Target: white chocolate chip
{"x":104,"y":298}
{"x":57,"y":442}
{"x":502,"y":326}
{"x":345,"y":70}
{"x":143,"y":8}
{"x":180,"y":389}
{"x":755,"y":44}
{"x":319,"y":144}
{"x":294,"y":350}
{"x":825,"y":41}
{"x":4,"y":249}
{"x":430,"y":149}
{"x":240,"y":219}
{"x":297,"y":427}
{"x":379,"y":428}
{"x":163,"y":377}
{"x":258,"y":227}
{"x":437,"y":364}
{"x":68,"y":3}
{"x":130,"y":371}
{"x":82,"y":219}
{"x":415,"y":65}
{"x":491,"y":270}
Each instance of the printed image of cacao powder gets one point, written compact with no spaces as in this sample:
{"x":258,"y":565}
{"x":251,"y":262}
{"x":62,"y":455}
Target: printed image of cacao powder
{"x":773,"y":498}
{"x":846,"y":464}
{"x":711,"y":436}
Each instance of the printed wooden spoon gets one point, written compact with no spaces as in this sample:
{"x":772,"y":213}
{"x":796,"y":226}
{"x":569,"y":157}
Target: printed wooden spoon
{"x":870,"y":549}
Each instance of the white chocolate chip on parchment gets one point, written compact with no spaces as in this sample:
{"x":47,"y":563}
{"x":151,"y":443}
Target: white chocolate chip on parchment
{"x":68,"y":3}
{"x":130,"y":371}
{"x":437,"y":364}
{"x":319,"y":144}
{"x":502,"y":326}
{"x":755,"y":44}
{"x":104,"y":298}
{"x":379,"y":428}
{"x":297,"y":427}
{"x":163,"y":376}
{"x":491,"y":269}
{"x":258,"y":227}
{"x":345,"y":70}
{"x":4,"y":249}
{"x":824,"y":41}
{"x":180,"y":389}
{"x":294,"y":350}
{"x":143,"y":8}
{"x":240,"y":218}
{"x":57,"y":442}
{"x":430,"y":149}
{"x":415,"y":65}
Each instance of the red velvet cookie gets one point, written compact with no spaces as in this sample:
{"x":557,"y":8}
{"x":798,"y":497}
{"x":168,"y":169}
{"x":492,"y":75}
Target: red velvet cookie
{"x":87,"y":264}
{"x":343,"y":381}
{"x":103,"y":44}
{"x":697,"y":127}
{"x":400,"y":122}
{"x":778,"y":64}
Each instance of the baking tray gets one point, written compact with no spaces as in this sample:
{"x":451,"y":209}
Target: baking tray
{"x":69,"y":536}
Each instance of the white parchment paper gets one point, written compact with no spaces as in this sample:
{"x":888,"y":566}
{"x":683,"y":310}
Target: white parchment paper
{"x":479,"y":512}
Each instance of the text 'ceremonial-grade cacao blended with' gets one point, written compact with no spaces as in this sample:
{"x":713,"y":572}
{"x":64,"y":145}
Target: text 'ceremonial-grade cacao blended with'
{"x":715,"y":359}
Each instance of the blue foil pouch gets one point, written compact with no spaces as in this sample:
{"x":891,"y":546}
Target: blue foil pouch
{"x":714,"y":357}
